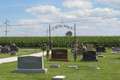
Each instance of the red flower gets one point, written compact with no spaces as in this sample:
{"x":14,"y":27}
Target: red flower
{"x":100,"y":46}
{"x":112,"y":47}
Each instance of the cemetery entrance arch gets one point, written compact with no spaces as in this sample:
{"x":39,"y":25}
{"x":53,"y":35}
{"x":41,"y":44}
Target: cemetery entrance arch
{"x":58,"y":26}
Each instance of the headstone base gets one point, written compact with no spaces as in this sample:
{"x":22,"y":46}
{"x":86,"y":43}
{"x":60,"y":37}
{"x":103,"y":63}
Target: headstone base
{"x":59,"y":59}
{"x":30,"y":70}
{"x":13,"y":53}
{"x":83,"y":60}
{"x":114,"y":52}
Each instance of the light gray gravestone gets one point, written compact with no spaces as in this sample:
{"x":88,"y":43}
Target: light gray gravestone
{"x":58,"y":78}
{"x":93,"y":67}
{"x":72,"y":66}
{"x":98,"y":53}
{"x":116,"y":50}
{"x":54,"y":66}
{"x":30,"y":64}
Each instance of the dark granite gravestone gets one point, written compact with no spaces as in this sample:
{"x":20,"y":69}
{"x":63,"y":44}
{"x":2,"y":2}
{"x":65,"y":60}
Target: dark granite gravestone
{"x":50,"y":45}
{"x":90,"y":47}
{"x":89,"y":56}
{"x":30,"y":64}
{"x":59,"y":55}
{"x":14,"y":48}
{"x":5,"y":50}
{"x":100,"y":49}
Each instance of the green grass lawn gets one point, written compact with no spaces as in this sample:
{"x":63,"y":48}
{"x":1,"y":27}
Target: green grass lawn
{"x":109,"y":69}
{"x":21,"y":52}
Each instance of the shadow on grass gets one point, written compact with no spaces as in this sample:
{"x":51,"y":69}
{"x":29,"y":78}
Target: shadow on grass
{"x":12,"y":72}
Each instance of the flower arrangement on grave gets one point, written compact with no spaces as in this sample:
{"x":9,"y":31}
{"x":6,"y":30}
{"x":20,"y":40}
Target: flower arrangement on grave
{"x":1,"y":46}
{"x":84,"y":47}
{"x":43,"y":47}
{"x":105,"y":48}
{"x":75,"y":54}
{"x":112,"y":47}
{"x":80,"y":46}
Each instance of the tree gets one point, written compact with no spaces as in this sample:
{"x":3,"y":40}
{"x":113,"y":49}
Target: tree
{"x":69,"y":33}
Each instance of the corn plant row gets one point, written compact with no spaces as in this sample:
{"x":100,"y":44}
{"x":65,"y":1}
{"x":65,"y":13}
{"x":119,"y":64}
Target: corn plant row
{"x":106,"y":41}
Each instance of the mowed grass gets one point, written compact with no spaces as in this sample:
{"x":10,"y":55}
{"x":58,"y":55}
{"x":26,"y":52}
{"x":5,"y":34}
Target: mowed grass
{"x":21,"y":52}
{"x":109,"y":69}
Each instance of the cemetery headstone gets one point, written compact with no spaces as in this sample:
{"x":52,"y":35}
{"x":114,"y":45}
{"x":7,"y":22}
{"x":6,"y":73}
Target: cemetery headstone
{"x":59,"y":55}
{"x":13,"y":53}
{"x":93,"y":67}
{"x":5,"y":50}
{"x":72,"y":66}
{"x":54,"y":66}
{"x":89,"y":56}
{"x":101,"y":56}
{"x":75,"y":44}
{"x":116,"y":50}
{"x":30,"y":64}
{"x":14,"y":48}
{"x":50,"y":44}
{"x":58,"y":78}
{"x":79,"y":52}
{"x":100,"y":49}
{"x":90,"y":47}
{"x":98,"y":53}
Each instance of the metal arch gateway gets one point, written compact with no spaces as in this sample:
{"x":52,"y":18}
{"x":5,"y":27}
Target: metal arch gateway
{"x":62,"y":25}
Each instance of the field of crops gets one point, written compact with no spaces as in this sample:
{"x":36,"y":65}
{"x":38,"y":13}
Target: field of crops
{"x":107,"y":41}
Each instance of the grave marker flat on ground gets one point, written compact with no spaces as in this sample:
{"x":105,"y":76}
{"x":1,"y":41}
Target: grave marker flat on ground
{"x":30,"y":64}
{"x":54,"y":66}
{"x":58,"y":78}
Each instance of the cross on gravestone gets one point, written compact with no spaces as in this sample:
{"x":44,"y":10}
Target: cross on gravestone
{"x":59,"y":55}
{"x":30,"y":64}
{"x":89,"y":56}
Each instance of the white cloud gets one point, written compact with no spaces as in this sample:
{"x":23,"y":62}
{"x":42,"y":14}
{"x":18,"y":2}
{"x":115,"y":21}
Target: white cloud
{"x":51,"y":12}
{"x":85,"y":27}
{"x":46,"y":10}
{"x":78,"y":4}
{"x":115,"y":3}
{"x":34,"y":21}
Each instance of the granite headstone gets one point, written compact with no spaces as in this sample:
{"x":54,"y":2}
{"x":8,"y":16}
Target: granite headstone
{"x":30,"y":64}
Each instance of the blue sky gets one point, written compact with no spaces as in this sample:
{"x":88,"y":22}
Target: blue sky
{"x":36,"y":15}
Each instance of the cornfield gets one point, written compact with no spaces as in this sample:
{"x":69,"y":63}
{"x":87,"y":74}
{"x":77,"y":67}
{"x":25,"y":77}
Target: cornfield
{"x":106,"y":41}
